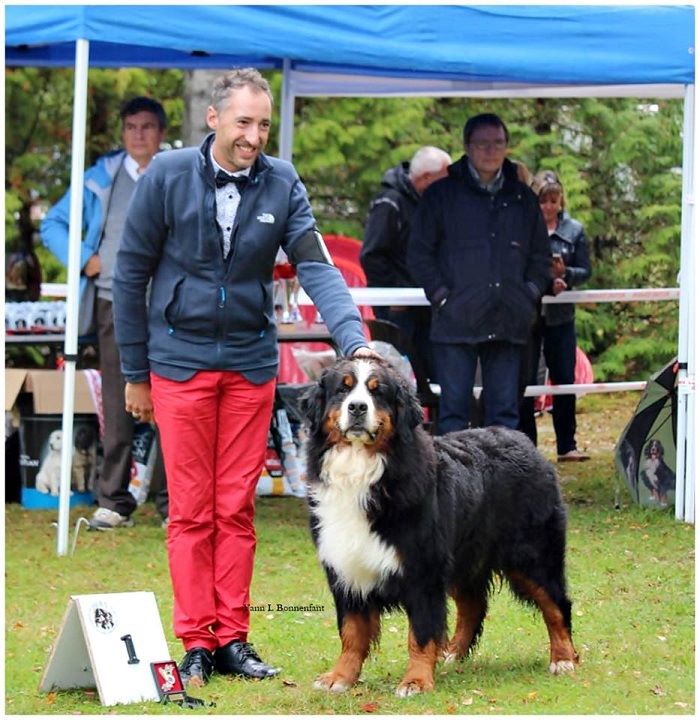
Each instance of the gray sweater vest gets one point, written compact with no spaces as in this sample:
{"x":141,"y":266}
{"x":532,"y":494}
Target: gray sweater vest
{"x":122,"y":190}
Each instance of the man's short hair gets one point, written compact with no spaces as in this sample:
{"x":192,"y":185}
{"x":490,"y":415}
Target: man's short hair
{"x":234,"y":80}
{"x":428,"y":159}
{"x":144,"y":104}
{"x":482,"y":120}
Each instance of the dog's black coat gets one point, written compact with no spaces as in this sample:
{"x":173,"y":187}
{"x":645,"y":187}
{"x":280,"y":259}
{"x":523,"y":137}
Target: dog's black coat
{"x":459,"y":509}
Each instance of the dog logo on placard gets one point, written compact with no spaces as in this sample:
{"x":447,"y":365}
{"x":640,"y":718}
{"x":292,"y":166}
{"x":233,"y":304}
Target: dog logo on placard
{"x":169,"y":683}
{"x":167,"y":673}
{"x":103,"y":617}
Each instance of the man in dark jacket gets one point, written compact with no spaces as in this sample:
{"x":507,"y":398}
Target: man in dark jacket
{"x":203,"y":228}
{"x":385,"y":243}
{"x":479,"y":249}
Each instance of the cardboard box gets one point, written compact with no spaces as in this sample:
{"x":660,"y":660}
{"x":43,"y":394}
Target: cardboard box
{"x":46,"y":390}
{"x":38,"y":396}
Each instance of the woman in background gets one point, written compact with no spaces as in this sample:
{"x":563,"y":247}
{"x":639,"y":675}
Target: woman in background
{"x":555,"y":330}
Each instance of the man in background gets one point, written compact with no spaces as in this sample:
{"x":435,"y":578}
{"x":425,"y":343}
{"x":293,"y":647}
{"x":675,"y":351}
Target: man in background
{"x":479,"y":249}
{"x":109,"y":185}
{"x":385,"y":244}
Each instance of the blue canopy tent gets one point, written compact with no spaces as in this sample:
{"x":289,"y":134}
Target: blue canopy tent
{"x":384,"y":50}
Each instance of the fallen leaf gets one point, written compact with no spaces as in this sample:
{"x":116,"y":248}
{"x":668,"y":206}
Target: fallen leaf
{"x":289,"y":683}
{"x":658,"y":690}
{"x":51,"y":698}
{"x":468,"y":701}
{"x":369,"y":707}
{"x":532,"y":695}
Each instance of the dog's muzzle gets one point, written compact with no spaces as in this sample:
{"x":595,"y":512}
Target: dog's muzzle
{"x":357,"y":420}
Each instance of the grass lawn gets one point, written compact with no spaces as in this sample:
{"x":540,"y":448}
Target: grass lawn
{"x":631,"y":579}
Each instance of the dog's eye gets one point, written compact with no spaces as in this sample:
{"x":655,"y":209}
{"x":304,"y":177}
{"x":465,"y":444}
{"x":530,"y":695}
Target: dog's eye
{"x":375,"y":387}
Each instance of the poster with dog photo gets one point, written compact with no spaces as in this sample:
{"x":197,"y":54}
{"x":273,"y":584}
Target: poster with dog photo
{"x":41,"y":443}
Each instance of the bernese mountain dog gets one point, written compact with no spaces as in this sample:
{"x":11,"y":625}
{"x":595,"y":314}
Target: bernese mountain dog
{"x":402,"y":520}
{"x":657,"y":475}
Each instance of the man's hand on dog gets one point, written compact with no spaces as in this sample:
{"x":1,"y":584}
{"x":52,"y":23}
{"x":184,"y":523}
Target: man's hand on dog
{"x":366,"y":352}
{"x":138,"y":401}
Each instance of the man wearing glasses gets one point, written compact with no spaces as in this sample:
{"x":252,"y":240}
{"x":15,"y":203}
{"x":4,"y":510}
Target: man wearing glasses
{"x":479,"y":249}
{"x":108,"y":187}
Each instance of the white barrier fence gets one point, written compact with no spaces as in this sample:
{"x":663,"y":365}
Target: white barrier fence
{"x":416,"y":296}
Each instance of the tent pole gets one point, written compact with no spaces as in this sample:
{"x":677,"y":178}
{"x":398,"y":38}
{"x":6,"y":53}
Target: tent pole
{"x":287,"y":112}
{"x":685,"y":453}
{"x":82,"y":49}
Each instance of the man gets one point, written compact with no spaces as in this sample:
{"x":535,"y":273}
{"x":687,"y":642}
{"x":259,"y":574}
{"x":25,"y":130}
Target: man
{"x":109,"y":185}
{"x":385,"y":244}
{"x":479,"y":249}
{"x":204,"y":227}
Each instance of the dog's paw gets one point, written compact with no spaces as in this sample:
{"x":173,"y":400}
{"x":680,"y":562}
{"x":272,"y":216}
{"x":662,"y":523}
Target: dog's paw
{"x":412,"y":687}
{"x":562,"y":666}
{"x":449,"y":656}
{"x":332,"y":682}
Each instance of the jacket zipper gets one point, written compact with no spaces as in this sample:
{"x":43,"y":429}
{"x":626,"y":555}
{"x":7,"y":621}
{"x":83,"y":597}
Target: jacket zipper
{"x":221,"y":305}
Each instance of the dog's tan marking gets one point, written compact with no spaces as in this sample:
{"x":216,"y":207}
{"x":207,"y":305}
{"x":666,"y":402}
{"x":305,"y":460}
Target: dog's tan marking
{"x":420,"y":673}
{"x":372,"y":384}
{"x":331,"y":427}
{"x":357,"y":635}
{"x":348,"y":381}
{"x":385,"y":432}
{"x":562,"y":656}
{"x":470,"y":612}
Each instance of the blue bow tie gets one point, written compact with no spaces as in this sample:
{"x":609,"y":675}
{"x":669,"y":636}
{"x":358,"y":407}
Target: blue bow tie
{"x":223,"y":178}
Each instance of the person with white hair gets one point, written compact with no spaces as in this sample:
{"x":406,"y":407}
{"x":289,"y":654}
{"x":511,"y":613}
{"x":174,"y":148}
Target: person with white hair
{"x":387,"y":230}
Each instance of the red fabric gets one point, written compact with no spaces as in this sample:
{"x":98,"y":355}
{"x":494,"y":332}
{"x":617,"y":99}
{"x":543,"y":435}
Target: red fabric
{"x":583,"y":375}
{"x":345,"y":252}
{"x":213,"y":430}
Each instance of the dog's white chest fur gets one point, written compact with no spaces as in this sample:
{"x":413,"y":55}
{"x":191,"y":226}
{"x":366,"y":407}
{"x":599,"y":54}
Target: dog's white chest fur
{"x":346,"y":543}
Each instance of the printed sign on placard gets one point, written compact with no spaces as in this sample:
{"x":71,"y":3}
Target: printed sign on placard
{"x":109,"y":641}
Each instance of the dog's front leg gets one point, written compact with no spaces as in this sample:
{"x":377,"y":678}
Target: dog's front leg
{"x":420,"y":673}
{"x":357,"y":634}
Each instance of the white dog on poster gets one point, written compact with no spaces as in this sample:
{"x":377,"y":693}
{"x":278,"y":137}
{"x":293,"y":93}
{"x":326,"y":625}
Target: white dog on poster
{"x":48,"y":478}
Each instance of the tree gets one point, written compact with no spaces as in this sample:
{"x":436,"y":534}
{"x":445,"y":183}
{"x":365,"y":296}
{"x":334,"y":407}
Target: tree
{"x":38,"y":126}
{"x":619,"y":161}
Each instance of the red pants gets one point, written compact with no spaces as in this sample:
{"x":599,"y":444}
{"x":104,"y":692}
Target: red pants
{"x":213,"y":430}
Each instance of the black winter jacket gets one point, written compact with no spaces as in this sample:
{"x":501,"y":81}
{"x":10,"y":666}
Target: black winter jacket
{"x":482,"y":259}
{"x":388,"y":225}
{"x":569,"y":240}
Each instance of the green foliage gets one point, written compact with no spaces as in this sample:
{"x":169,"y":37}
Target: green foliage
{"x":619,"y":161}
{"x":38,"y":134}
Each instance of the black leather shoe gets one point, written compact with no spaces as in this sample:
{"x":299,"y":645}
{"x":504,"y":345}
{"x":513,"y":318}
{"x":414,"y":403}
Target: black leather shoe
{"x":196,"y":667}
{"x":239,"y":658}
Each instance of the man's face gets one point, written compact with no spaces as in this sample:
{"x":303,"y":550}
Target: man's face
{"x":487,"y":150}
{"x":242,"y":128}
{"x":142,"y":136}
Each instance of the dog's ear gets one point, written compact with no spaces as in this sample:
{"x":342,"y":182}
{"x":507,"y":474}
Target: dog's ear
{"x":312,"y":405}
{"x":409,"y":413}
